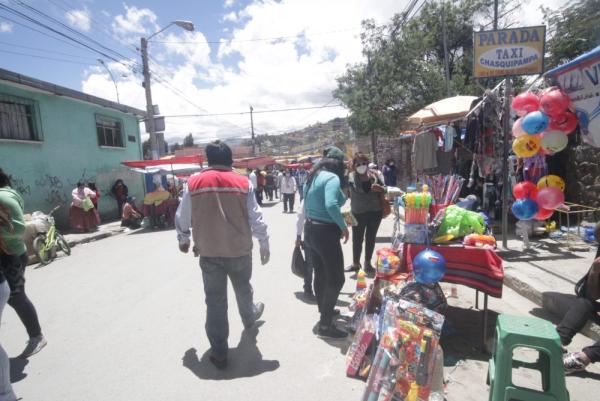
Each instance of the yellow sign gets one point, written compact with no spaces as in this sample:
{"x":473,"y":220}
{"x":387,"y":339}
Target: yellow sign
{"x":518,"y":51}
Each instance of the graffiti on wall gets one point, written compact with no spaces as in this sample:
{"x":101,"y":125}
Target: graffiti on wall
{"x":56,"y":197}
{"x":49,"y":181}
{"x":19,"y":185}
{"x":84,"y":177}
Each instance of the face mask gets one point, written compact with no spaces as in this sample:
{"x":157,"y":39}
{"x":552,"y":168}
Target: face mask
{"x":361,"y":169}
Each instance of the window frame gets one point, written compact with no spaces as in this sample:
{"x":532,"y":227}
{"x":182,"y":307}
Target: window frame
{"x":32,"y":118}
{"x":98,"y":119}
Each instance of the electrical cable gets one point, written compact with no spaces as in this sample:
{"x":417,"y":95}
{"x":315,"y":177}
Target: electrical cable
{"x":254,"y":112}
{"x":44,"y":50}
{"x":43,"y":57}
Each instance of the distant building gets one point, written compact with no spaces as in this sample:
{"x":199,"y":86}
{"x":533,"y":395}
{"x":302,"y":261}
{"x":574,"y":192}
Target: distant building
{"x":51,"y":137}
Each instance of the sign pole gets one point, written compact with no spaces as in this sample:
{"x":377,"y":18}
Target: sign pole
{"x":505,"y":175}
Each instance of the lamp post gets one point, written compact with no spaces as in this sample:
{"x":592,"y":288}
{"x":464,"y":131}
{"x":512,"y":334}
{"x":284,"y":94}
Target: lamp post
{"x":154,"y":145}
{"x":111,"y":77}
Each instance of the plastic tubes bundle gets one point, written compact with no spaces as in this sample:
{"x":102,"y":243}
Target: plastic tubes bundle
{"x":445,"y":188}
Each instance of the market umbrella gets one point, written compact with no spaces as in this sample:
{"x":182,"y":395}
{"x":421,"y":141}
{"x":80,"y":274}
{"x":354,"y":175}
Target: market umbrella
{"x":443,"y":110}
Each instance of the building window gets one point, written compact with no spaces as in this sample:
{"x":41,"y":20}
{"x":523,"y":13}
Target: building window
{"x":131,"y":138}
{"x":109,"y":132}
{"x":19,"y":119}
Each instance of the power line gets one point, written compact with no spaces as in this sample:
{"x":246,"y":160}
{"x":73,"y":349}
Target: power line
{"x":43,"y":50}
{"x":43,"y":57}
{"x":255,"y":112}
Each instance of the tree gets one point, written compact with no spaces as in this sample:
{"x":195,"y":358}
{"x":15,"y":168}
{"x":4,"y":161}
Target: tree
{"x":404,"y":63}
{"x":188,"y":141}
{"x":572,"y":30}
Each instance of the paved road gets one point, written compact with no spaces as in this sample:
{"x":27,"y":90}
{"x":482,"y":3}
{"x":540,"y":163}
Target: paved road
{"x":124,"y":317}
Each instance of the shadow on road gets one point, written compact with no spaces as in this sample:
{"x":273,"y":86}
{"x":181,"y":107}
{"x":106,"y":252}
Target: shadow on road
{"x":244,"y":361}
{"x":17,"y":369}
{"x":312,"y":301}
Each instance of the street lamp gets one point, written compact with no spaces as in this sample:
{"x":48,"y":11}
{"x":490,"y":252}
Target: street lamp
{"x":111,"y":77}
{"x":188,"y":26}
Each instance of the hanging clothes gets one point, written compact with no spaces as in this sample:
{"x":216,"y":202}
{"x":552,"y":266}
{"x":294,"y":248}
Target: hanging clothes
{"x":424,"y":150}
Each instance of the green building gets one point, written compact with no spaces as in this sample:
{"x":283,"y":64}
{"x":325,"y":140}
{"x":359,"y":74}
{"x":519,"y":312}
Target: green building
{"x":51,"y":137}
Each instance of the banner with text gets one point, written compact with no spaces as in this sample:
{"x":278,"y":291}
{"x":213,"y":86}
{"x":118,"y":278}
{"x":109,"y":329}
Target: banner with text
{"x":518,"y":51}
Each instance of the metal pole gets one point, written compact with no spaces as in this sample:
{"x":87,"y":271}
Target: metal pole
{"x":505,"y":176}
{"x":446,"y":66}
{"x":252,"y":128}
{"x":495,"y":14}
{"x":149,"y":105}
{"x":111,"y":77}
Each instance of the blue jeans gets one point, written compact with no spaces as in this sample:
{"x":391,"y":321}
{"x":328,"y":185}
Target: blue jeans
{"x":215,"y":271}
{"x":301,"y":192}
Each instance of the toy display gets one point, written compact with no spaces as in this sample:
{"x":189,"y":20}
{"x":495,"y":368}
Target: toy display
{"x":524,"y":209}
{"x":525,"y":103}
{"x":361,"y":281}
{"x":551,"y":181}
{"x":480,"y":241}
{"x":554,"y":141}
{"x":445,"y":189}
{"x":458,"y":222}
{"x":365,"y":335}
{"x":535,"y":122}
{"x":416,"y":206}
{"x":550,"y":197}
{"x":429,"y":266}
{"x":388,"y":262}
{"x":525,"y":189}
{"x":526,"y":145}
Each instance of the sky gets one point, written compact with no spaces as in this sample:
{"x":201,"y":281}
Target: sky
{"x":266,"y":54}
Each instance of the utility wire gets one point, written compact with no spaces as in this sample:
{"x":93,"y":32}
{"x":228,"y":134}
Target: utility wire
{"x":43,"y":57}
{"x":44,"y":50}
{"x":254,"y":112}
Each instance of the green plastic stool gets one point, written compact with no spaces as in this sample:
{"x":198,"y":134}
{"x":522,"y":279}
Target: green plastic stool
{"x":533,"y":333}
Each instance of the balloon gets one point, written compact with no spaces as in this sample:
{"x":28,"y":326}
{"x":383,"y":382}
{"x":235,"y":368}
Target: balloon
{"x":543,"y":214}
{"x":565,"y":122}
{"x":517,"y":128}
{"x":554,"y":141}
{"x":524,"y":209}
{"x":525,"y":189}
{"x":525,"y":102}
{"x":526,"y":146}
{"x":535,"y":122}
{"x":551,"y":181}
{"x":550,"y":197}
{"x":554,"y":102}
{"x":429,"y":266}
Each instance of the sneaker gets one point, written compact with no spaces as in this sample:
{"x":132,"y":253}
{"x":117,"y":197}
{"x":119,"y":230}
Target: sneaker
{"x":260,"y":308}
{"x":34,"y":345}
{"x":572,"y":363}
{"x":330,"y":331}
{"x":354,"y":267}
{"x":219,"y":363}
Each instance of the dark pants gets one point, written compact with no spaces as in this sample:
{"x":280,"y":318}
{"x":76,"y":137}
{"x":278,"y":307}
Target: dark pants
{"x":368,"y":224}
{"x":288,"y":199}
{"x":13,"y":267}
{"x":325,"y":254}
{"x":120,"y":203}
{"x":269,"y":191}
{"x":259,"y":195}
{"x":308,"y":273}
{"x":581,"y":310}
{"x":214,"y":274}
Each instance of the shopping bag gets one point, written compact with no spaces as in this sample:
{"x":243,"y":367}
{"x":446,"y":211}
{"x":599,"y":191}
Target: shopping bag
{"x":298,"y":262}
{"x":87,"y":204}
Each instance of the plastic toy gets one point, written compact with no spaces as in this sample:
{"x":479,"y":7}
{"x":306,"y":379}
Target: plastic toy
{"x":525,"y":102}
{"x":543,"y":214}
{"x":459,"y":222}
{"x":554,"y":102}
{"x":524,"y":209}
{"x":361,"y":281}
{"x":550,"y":197}
{"x":551,"y":181}
{"x":525,"y":189}
{"x":517,"y":128}
{"x":565,"y":122}
{"x":554,"y":141}
{"x":479,"y":240}
{"x":535,"y":122}
{"x":429,"y":266}
{"x":526,"y":145}
{"x":388,"y":262}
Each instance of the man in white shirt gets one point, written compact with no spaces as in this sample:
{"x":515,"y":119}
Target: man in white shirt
{"x":288,"y":191}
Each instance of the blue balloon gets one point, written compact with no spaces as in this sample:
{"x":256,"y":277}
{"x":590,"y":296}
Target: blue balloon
{"x":429,"y":266}
{"x":525,"y":209}
{"x":535,"y":122}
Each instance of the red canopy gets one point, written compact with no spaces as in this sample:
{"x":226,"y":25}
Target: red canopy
{"x":253,"y":162}
{"x":296,"y":166}
{"x":194,"y":159}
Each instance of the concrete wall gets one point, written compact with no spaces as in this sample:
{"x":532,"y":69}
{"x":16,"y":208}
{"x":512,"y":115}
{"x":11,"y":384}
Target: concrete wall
{"x":46,"y":172}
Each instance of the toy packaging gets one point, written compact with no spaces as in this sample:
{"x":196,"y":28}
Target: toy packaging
{"x":365,"y":334}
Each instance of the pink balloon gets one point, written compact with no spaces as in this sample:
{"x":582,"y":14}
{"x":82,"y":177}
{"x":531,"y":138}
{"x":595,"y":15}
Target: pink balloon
{"x":517,"y":129}
{"x":550,"y":197}
{"x":554,"y":102}
{"x":525,"y":102}
{"x":543,"y":214}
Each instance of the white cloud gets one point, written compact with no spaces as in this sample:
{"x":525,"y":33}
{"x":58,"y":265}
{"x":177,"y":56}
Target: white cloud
{"x":79,"y":19}
{"x":229,"y":3}
{"x":6,"y":27}
{"x":232,"y":17}
{"x":286,"y":73}
{"x":135,"y":23}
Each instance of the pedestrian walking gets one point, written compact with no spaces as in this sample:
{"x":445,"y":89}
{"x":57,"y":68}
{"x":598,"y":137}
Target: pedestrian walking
{"x":278,"y":180}
{"x":83,"y":217}
{"x":221,"y":208}
{"x":120,"y":192}
{"x":13,"y":259}
{"x":585,"y":307}
{"x":270,"y":185}
{"x":389,"y":173}
{"x":260,"y":186}
{"x":365,"y":188}
{"x":323,"y":227}
{"x":301,"y":177}
{"x":288,"y":191}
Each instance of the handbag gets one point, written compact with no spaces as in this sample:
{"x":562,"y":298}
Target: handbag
{"x":386,"y":209}
{"x":87,"y":204}
{"x":298,"y":262}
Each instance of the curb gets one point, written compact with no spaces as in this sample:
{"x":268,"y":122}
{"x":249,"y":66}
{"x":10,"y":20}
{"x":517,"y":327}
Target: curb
{"x":557,"y":306}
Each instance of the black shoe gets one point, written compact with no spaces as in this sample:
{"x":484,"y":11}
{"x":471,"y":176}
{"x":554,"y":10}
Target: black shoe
{"x":369,"y":269}
{"x":219,"y":363}
{"x":260,"y":308}
{"x":354,"y":267}
{"x":330,"y":331}
{"x":308,"y":293}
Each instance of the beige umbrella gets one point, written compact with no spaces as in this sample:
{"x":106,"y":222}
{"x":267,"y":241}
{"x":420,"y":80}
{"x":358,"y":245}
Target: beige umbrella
{"x":444,"y":110}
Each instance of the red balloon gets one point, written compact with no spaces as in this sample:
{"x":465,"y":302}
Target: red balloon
{"x":565,"y":122}
{"x":544,"y":214}
{"x":525,"y":189}
{"x":555,"y":102}
{"x":526,"y":102}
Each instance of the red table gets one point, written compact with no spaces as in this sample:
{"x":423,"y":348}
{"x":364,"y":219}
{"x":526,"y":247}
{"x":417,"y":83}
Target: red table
{"x":478,"y":268}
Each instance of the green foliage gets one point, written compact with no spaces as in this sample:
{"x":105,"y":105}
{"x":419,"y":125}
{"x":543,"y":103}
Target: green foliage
{"x":404,"y":67}
{"x":188,"y":141}
{"x":573,"y":30}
